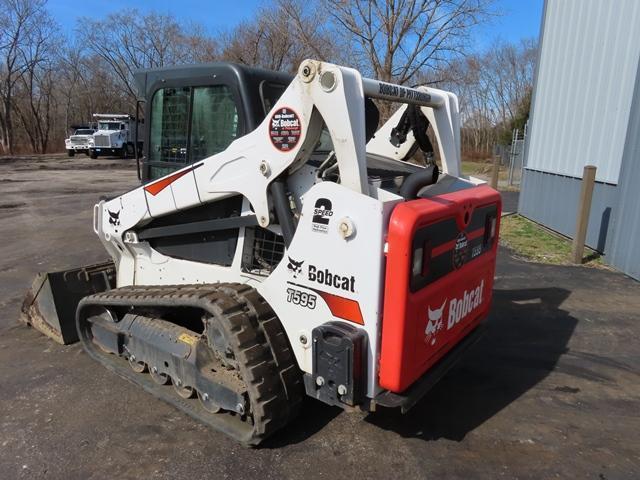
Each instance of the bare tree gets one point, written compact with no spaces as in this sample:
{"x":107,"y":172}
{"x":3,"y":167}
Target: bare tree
{"x":494,"y":90}
{"x":71,"y":79}
{"x":128,"y":41}
{"x":18,"y":19}
{"x":48,"y":83}
{"x":512,"y":68}
{"x":35,"y":93}
{"x":394,"y":40}
{"x":281,"y":37}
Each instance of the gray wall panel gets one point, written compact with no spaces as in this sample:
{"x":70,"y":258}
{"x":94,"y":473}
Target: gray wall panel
{"x":552,"y":200}
{"x":586,"y":110}
{"x":625,"y":245}
{"x":584,"y":82}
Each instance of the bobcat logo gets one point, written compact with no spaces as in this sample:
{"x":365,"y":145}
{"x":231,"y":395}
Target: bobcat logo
{"x":295,"y":268}
{"x":114,"y":218}
{"x":434,"y":323}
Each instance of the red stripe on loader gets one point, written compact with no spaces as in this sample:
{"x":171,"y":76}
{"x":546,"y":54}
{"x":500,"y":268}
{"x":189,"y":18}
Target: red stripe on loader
{"x":341,"y":307}
{"x":156,"y":187}
{"x":445,"y":247}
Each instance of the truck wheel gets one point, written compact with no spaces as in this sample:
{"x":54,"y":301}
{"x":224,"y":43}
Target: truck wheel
{"x":123,"y":151}
{"x":71,"y":153}
{"x":93,"y":154}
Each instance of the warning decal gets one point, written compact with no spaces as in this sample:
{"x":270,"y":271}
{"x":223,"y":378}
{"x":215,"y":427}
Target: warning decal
{"x":188,"y":339}
{"x":285,"y":129}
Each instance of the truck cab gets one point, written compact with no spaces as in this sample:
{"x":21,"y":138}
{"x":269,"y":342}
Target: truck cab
{"x":115,"y":135}
{"x":80,"y":142}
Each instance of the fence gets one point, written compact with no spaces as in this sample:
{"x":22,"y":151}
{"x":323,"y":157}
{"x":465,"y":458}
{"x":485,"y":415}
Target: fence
{"x":516,"y":155}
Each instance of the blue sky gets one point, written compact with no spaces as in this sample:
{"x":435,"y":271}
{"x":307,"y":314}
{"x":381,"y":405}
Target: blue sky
{"x":518,"y":19}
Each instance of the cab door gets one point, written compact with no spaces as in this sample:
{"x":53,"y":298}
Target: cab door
{"x":187,"y":124}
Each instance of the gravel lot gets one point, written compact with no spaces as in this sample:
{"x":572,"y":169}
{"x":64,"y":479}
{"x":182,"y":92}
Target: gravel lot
{"x":553,"y":390}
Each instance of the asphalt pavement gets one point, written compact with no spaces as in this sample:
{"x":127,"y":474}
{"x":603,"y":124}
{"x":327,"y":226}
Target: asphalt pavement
{"x":551,"y":391}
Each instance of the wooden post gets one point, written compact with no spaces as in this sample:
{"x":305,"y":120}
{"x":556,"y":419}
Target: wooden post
{"x":584,"y":207}
{"x":494,"y":171}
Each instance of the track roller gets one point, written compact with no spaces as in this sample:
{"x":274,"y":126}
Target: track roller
{"x":183,"y":391}
{"x":137,"y":366}
{"x":159,"y":378}
{"x":222,"y":344}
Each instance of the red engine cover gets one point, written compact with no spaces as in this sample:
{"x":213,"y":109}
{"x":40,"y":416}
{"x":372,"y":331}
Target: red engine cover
{"x":439,"y":277}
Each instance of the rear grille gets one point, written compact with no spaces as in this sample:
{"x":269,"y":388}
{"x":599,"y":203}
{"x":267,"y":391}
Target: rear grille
{"x":263,"y":250}
{"x":101,"y":141}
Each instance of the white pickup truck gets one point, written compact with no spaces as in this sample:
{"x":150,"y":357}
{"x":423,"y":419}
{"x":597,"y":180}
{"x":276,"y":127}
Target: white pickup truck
{"x":80,"y":142}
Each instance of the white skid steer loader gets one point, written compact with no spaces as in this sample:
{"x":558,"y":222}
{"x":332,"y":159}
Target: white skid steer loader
{"x":273,"y":267}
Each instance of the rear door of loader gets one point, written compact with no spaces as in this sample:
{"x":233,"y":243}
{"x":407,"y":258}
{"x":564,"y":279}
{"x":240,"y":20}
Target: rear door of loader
{"x":439,"y":276}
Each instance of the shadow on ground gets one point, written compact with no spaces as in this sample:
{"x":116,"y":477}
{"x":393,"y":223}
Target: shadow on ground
{"x":527,"y":335}
{"x":317,"y":416}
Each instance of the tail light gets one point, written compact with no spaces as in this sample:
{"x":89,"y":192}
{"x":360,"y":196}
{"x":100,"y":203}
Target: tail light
{"x":489,"y":230}
{"x":421,"y":258}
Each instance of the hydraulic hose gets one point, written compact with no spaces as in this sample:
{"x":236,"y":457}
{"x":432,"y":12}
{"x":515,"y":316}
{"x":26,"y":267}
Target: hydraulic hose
{"x":283,"y":211}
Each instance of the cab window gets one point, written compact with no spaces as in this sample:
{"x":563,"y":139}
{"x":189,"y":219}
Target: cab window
{"x":169,"y":124}
{"x":270,"y":93}
{"x":189,"y":124}
{"x":214,"y":121}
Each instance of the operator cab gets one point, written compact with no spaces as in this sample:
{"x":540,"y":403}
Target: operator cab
{"x":195,"y":111}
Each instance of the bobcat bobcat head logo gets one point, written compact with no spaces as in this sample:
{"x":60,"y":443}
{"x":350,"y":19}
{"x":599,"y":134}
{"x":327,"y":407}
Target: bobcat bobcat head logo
{"x":114,"y":218}
{"x":294,"y":267}
{"x":434,"y":322}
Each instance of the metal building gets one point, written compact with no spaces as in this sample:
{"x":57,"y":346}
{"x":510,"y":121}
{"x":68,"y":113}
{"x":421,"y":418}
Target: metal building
{"x":586,"y":111}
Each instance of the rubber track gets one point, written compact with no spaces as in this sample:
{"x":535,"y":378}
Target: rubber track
{"x":273,"y":336}
{"x":260,"y":345}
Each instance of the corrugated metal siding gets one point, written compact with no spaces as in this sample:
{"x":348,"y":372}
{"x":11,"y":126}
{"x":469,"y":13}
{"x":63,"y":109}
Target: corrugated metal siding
{"x":552,"y":200}
{"x":585,"y":78}
{"x":625,"y":246}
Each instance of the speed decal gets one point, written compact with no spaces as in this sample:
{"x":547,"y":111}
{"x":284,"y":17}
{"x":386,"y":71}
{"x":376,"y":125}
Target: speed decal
{"x":322,"y":213}
{"x":285,"y":129}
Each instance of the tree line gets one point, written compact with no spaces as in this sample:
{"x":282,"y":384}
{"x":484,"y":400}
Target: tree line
{"x":49,"y":82}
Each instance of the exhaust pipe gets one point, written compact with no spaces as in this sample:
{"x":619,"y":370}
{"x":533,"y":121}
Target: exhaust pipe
{"x":417,"y":181}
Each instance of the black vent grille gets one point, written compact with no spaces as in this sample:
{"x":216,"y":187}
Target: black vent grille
{"x":263,"y":251}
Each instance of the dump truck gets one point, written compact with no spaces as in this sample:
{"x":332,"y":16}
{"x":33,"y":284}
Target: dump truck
{"x":116,"y":135}
{"x":281,"y":245}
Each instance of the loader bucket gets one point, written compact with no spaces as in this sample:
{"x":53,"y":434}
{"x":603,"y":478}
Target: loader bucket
{"x":50,"y":305}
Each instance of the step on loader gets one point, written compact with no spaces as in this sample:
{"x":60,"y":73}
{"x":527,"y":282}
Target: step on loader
{"x":282,"y":245}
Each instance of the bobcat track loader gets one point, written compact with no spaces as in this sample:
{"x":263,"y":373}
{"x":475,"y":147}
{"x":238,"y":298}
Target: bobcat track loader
{"x":275,"y":267}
